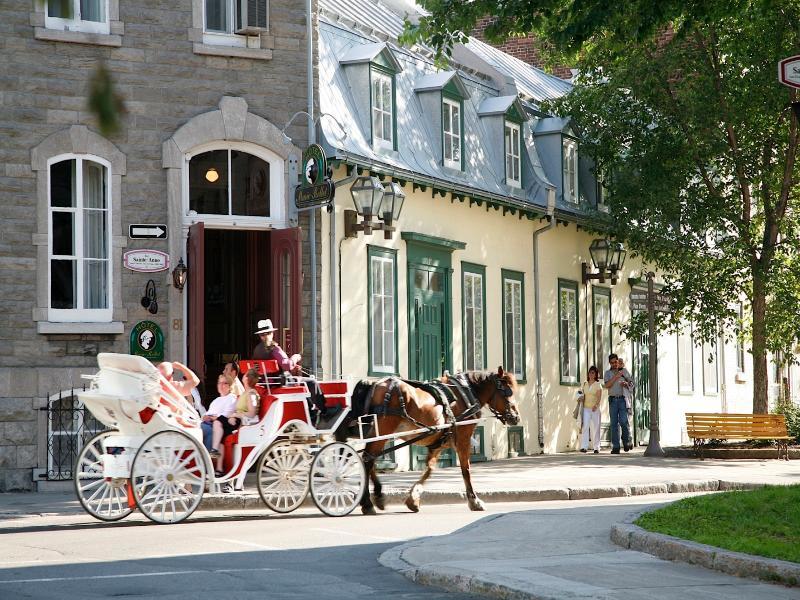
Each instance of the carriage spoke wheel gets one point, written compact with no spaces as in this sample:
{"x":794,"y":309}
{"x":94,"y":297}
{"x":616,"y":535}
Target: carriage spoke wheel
{"x":169,"y":476}
{"x":283,"y":476}
{"x":337,"y":479}
{"x":104,"y":498}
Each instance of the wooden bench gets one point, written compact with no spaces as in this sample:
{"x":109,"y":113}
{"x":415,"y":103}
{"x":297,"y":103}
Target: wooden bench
{"x":736,"y":426}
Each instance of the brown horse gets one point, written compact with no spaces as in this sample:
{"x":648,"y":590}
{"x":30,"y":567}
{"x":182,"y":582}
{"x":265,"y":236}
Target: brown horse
{"x":407,"y":408}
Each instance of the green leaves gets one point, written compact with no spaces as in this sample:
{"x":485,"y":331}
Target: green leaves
{"x":104,"y":101}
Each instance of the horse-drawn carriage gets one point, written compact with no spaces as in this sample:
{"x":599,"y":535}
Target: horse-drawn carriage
{"x":152,"y":456}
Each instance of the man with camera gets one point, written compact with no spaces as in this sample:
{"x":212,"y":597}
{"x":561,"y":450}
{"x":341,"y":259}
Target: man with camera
{"x":616,"y":380}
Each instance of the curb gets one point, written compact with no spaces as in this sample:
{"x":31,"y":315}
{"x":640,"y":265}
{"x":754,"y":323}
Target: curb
{"x":667,"y":547}
{"x":240,"y":501}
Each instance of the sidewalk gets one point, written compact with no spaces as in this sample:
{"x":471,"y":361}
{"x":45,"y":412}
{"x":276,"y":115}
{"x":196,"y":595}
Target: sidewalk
{"x":561,"y":553}
{"x":569,"y":476}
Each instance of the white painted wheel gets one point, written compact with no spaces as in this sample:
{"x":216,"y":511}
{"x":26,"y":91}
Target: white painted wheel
{"x":283,"y":476}
{"x":104,"y":498}
{"x":337,"y":479}
{"x":169,"y":476}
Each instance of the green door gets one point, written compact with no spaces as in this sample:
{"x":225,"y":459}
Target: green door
{"x":641,"y":404}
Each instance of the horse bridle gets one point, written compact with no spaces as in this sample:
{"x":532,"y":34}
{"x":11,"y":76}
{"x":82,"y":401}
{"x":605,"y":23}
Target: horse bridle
{"x":501,"y":387}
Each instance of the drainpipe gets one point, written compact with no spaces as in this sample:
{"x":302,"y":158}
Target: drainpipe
{"x":551,"y":205}
{"x":312,"y":214}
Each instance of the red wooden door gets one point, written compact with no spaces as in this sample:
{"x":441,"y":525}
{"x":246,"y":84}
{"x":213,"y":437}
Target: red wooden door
{"x":195,"y":327}
{"x":286,"y":287}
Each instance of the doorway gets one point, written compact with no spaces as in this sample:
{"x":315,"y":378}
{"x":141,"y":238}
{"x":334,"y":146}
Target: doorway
{"x":236,"y":278}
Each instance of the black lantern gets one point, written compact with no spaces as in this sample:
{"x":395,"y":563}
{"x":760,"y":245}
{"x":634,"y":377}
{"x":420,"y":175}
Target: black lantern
{"x":179,"y":274}
{"x":607,"y":257}
{"x":367,"y":193}
{"x":391,"y":206}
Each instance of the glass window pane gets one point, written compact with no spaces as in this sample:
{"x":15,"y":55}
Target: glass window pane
{"x":95,"y":234}
{"x":250,"y":185}
{"x":387,"y":127}
{"x":61,"y":9}
{"x":95,"y":284}
{"x":208,"y":183}
{"x":94,"y":186}
{"x":62,"y":284}
{"x":62,"y":184}
{"x":217,"y":15}
{"x":93,"y":10}
{"x":63,"y":233}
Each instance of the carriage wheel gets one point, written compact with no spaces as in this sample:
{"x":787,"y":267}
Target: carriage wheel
{"x":337,"y":479}
{"x":104,"y":498}
{"x":169,"y":475}
{"x":283,"y":476}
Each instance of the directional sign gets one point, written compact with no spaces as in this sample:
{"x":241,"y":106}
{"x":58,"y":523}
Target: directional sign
{"x":658,"y":297}
{"x":147,"y":232}
{"x":657,"y":307}
{"x":789,"y":71}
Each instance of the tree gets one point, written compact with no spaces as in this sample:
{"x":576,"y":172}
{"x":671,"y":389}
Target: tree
{"x":680,"y":106}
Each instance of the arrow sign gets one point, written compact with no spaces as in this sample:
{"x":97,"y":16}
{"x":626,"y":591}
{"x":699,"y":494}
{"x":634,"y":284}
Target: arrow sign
{"x":147,"y":232}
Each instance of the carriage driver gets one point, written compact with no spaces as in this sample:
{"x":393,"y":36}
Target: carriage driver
{"x":268,"y":349}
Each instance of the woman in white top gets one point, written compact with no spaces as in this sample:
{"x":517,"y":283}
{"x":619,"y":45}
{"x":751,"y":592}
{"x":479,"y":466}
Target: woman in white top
{"x":592,"y":395}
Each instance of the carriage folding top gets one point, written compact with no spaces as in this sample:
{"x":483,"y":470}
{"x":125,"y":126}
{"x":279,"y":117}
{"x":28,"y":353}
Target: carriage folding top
{"x":152,"y":456}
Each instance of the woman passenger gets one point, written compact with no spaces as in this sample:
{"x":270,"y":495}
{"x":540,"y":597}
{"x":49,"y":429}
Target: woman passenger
{"x":246,"y":413}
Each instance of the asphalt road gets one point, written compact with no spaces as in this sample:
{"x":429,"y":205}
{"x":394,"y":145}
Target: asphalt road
{"x":239,"y":555}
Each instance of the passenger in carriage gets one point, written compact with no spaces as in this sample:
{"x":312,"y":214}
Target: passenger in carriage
{"x":268,"y":349}
{"x":216,"y":419}
{"x":246,"y":413}
{"x":187,"y":387}
{"x":232,"y":370}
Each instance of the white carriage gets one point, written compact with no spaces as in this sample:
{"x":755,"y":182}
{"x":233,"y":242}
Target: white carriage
{"x":152,"y":456}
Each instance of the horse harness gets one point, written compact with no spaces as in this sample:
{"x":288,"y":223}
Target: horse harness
{"x":456,"y":388}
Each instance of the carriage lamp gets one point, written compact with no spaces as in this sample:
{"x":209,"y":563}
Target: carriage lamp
{"x":391,"y":206}
{"x":367,"y":193}
{"x":607,"y":257}
{"x":179,"y":274}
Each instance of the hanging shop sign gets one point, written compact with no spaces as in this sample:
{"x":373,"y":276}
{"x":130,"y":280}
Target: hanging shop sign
{"x":147,"y":340}
{"x":316,"y":188}
{"x":146,"y":261}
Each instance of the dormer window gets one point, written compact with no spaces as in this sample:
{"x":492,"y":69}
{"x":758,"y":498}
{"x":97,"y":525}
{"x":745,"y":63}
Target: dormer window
{"x":513,"y":153}
{"x":570,"y":162}
{"x":451,"y":132}
{"x":382,"y":85}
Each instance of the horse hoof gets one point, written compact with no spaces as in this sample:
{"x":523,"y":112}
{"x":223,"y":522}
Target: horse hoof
{"x":412,"y":505}
{"x":477,"y":505}
{"x":368,"y":510}
{"x":380,"y":502}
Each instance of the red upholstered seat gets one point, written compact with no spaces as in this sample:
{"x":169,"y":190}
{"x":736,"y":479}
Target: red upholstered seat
{"x":335,"y":393}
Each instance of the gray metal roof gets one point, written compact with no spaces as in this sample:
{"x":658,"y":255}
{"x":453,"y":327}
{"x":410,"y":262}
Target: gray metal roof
{"x":499,"y":105}
{"x":437,"y":81}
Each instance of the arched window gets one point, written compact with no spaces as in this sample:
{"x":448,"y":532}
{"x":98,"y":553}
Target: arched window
{"x":230,"y":182}
{"x":79,"y":239}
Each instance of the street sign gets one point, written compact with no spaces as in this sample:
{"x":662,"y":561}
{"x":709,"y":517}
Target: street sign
{"x":789,"y":71}
{"x":147,"y":232}
{"x":314,"y":195}
{"x":146,"y":261}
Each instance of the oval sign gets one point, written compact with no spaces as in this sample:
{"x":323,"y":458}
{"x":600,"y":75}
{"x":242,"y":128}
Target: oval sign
{"x":146,"y":261}
{"x":789,"y":71}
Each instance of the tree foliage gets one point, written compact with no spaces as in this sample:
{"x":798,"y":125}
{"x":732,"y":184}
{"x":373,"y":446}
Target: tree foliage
{"x":679,"y":104}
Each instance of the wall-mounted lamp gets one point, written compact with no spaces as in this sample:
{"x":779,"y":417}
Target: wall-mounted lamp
{"x":179,"y":274}
{"x":212,"y":175}
{"x":607,"y":257}
{"x":373,"y":199}
{"x":149,"y":300}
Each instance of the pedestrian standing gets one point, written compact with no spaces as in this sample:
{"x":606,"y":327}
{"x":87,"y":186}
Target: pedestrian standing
{"x":613,"y":381}
{"x":592,"y":396}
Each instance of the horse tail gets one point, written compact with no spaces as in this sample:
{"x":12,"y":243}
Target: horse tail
{"x":359,"y":402}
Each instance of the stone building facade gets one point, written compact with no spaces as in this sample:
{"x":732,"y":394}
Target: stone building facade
{"x":192,"y":86}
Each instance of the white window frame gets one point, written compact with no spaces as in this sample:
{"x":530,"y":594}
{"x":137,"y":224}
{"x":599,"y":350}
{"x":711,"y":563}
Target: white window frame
{"x":514,"y":329}
{"x":76,"y":23}
{"x":601,"y":297}
{"x":685,"y":362}
{"x":477,"y":344}
{"x":451,"y":139}
{"x":383,"y":298}
{"x":383,"y":79}
{"x":513,"y":152}
{"x":565,"y":314}
{"x":277,"y":195}
{"x":570,"y":172}
{"x":79,"y":314}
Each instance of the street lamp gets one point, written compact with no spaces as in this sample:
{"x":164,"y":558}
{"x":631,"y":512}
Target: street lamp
{"x":607,"y":257}
{"x":373,"y":199}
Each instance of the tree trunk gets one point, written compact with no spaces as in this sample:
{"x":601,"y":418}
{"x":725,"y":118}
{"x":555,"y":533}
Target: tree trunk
{"x":760,"y":402}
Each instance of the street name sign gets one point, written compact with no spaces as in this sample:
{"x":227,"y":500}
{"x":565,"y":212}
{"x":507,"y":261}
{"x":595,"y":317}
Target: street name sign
{"x":146,"y":261}
{"x":147,"y":232}
{"x":789,"y":71}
